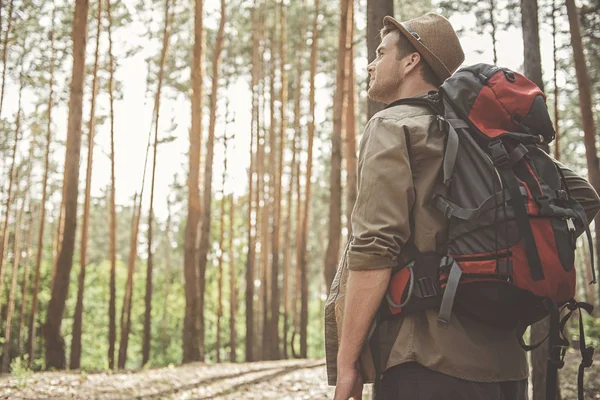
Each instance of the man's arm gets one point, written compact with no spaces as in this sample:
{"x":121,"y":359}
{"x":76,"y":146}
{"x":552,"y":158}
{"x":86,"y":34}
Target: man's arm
{"x":380,"y":225}
{"x":364,"y":292}
{"x":582,"y":191}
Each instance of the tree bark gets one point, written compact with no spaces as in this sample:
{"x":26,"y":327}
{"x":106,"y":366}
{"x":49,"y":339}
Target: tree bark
{"x":13,"y":284}
{"x":555,"y":64}
{"x":75,"y":356}
{"x":112,"y":307}
{"x":40,"y":243}
{"x":128,"y":296}
{"x":164,"y":324}
{"x":252,"y":210}
{"x":351,"y":168}
{"x":206,"y":219}
{"x":271,"y":278}
{"x":259,"y":196}
{"x":191,"y":344}
{"x":532,"y":63}
{"x":5,"y":52}
{"x":221,"y":250}
{"x":299,"y":212}
{"x":494,"y":29}
{"x":306,"y":209}
{"x":335,"y":176}
{"x":275,"y":351}
{"x":585,"y":103}
{"x":11,"y":180}
{"x":232,"y":286}
{"x":376,"y":10}
{"x":25,"y":282}
{"x":55,"y":344}
{"x":289,"y":308}
{"x":148,"y":296}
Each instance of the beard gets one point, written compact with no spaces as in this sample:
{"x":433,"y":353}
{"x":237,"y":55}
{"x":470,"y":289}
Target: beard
{"x":384,"y":88}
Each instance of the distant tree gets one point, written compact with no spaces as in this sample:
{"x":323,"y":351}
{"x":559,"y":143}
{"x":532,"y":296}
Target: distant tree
{"x":191,"y":344}
{"x":168,"y":23}
{"x":75,"y":356}
{"x":112,"y":307}
{"x":208,"y":166}
{"x":55,"y":344}
{"x":376,"y":10}
{"x":40,"y":239}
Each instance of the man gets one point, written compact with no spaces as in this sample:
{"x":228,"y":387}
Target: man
{"x":419,"y":360}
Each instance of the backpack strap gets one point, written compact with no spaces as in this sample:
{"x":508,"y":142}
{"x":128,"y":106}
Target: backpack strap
{"x":518,"y":205}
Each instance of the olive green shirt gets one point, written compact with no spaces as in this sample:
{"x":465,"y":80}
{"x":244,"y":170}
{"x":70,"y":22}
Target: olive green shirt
{"x":399,"y":171}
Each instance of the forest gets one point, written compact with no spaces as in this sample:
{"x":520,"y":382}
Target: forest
{"x":177,"y":177}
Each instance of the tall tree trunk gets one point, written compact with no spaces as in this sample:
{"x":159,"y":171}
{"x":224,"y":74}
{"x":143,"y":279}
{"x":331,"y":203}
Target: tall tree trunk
{"x":148,"y":296}
{"x":289,"y":308}
{"x":299,"y":213}
{"x":351,"y":168}
{"x":585,"y":103}
{"x":532,"y":64}
{"x":5,"y":52}
{"x":40,"y":242}
{"x":11,"y":173}
{"x":206,"y":218}
{"x":270,"y":278}
{"x":164,"y":324}
{"x":275,"y":351}
{"x":306,"y":209}
{"x":13,"y":284}
{"x":191,"y":344}
{"x":555,"y":64}
{"x":335,"y":176}
{"x":494,"y":29}
{"x":259,"y":196}
{"x":221,"y":249}
{"x":25,"y":282}
{"x":75,"y":357}
{"x":112,"y":307}
{"x":376,"y":10}
{"x":60,"y":227}
{"x":125,"y":321}
{"x":252,"y":210}
{"x":232,"y":286}
{"x":55,"y":344}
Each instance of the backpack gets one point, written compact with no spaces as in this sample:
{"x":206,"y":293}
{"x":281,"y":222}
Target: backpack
{"x":512,"y":223}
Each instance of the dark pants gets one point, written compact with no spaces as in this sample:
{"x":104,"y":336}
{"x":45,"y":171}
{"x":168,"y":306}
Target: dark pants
{"x":412,"y":381}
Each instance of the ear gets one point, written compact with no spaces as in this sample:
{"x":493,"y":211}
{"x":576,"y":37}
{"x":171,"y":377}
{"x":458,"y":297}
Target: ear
{"x":412,"y":61}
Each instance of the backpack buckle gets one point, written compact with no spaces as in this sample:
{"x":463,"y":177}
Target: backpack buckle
{"x":499,"y":155}
{"x":443,"y":125}
{"x":544,"y":202}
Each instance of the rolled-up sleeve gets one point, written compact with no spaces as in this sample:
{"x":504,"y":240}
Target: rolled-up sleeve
{"x":381,"y":214}
{"x":582,"y":191}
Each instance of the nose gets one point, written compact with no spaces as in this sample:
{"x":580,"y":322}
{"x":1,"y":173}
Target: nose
{"x":371,"y":67}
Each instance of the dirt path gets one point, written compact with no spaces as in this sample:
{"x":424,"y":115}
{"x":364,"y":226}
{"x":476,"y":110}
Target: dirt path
{"x":298,"y":379}
{"x":272,"y":380}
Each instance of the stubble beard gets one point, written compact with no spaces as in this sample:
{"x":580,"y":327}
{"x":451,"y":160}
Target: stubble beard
{"x":384,"y":92}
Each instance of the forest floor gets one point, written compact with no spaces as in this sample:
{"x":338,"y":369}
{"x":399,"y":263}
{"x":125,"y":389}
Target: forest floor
{"x":281,"y":380}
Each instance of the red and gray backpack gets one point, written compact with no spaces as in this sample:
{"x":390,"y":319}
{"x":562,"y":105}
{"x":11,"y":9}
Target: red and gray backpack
{"x":512,"y":223}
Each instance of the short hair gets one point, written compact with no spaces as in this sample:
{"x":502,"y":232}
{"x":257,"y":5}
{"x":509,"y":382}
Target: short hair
{"x":405,"y":47}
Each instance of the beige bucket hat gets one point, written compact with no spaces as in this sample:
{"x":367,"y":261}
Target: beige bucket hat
{"x":435,"y":39}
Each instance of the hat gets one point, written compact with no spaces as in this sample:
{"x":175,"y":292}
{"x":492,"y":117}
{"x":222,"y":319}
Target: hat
{"x":436,"y":41}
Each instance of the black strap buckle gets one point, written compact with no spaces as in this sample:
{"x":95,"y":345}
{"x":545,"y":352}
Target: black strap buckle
{"x":587,"y":356}
{"x":544,"y":202}
{"x":443,"y":125}
{"x":500,"y":156}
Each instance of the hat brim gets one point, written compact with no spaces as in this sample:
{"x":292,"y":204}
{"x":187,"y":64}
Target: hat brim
{"x":438,"y":67}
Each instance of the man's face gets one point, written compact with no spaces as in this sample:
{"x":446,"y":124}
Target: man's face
{"x":386,"y":72}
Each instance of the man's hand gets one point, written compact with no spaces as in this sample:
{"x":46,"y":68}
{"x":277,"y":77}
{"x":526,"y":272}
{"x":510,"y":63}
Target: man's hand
{"x":349,"y":384}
